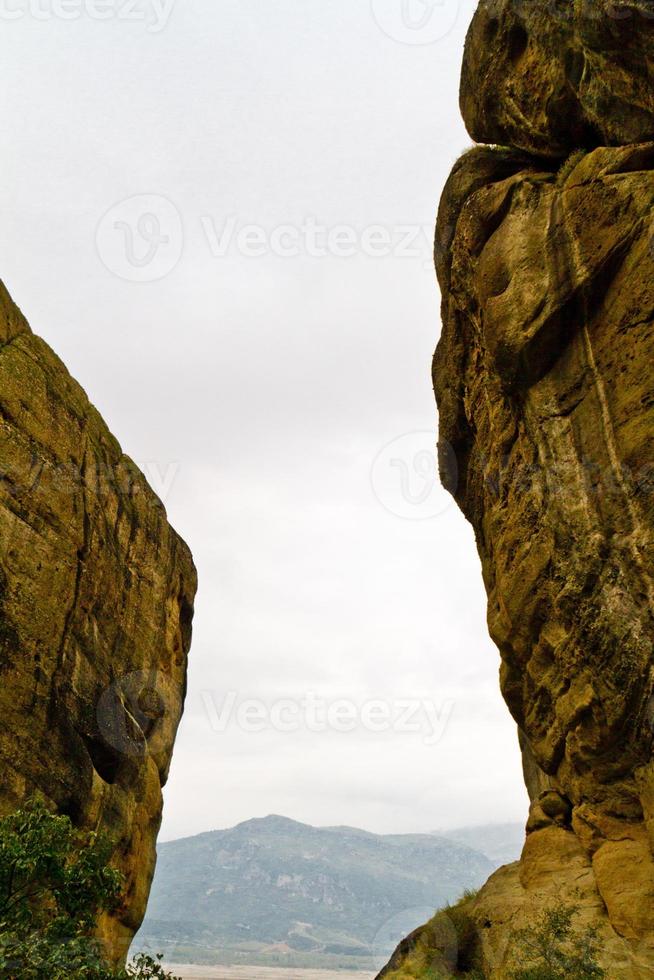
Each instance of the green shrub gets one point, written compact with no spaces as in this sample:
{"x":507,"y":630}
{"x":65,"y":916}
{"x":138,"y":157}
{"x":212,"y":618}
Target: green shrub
{"x":146,"y":968}
{"x":468,"y":960}
{"x":450,"y":936}
{"x":551,"y":950}
{"x":54,"y":883}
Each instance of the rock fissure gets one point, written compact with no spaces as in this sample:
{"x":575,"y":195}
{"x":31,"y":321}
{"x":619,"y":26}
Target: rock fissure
{"x":80,"y":560}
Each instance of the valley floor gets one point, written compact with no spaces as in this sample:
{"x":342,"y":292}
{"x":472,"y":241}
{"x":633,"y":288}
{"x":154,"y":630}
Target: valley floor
{"x":261,"y":973}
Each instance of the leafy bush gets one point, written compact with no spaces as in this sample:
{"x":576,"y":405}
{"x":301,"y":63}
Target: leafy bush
{"x":54,"y":883}
{"x":548,"y":950}
{"x":146,"y":968}
{"x":551,"y":950}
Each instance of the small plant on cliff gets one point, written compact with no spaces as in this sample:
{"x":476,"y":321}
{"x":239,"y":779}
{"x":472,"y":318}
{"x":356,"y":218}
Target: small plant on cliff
{"x":552,"y":950}
{"x":54,"y":883}
{"x":447,"y":946}
{"x":569,"y":165}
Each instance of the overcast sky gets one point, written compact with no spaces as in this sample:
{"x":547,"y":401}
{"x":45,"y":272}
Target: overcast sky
{"x":219,"y":213}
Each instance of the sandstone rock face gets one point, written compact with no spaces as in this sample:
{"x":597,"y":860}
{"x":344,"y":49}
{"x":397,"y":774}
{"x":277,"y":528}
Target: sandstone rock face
{"x":543,"y":377}
{"x":96,"y":603}
{"x":550,"y":76}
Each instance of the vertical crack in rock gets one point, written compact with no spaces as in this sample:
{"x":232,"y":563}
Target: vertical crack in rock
{"x":82,"y":555}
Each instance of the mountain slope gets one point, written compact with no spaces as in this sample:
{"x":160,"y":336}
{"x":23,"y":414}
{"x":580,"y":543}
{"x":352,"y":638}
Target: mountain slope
{"x":502,"y":843}
{"x":277,"y":883}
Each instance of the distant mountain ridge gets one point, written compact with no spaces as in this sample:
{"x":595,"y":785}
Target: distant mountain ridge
{"x":502,"y":843}
{"x":272,"y":888}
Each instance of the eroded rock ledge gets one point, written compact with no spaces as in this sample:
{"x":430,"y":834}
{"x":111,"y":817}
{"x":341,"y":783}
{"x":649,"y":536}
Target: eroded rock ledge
{"x":543,"y":377}
{"x":96,"y":603}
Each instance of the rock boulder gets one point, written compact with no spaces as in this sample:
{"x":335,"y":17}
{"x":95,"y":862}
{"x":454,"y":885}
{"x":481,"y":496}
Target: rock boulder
{"x":550,"y":76}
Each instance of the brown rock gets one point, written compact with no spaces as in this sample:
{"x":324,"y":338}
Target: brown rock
{"x":554,"y":869}
{"x":545,"y":257}
{"x":96,"y":602}
{"x":551,"y":76}
{"x":543,"y":379}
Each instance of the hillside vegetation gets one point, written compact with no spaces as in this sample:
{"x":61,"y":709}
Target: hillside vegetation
{"x":273,"y":890}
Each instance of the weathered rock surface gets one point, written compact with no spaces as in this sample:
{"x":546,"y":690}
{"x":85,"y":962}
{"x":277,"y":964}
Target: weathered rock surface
{"x":549,"y":76}
{"x":543,"y":377}
{"x":96,"y":602}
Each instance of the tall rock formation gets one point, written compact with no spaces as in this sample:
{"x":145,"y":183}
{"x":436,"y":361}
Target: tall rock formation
{"x":543,"y":377}
{"x":96,"y":603}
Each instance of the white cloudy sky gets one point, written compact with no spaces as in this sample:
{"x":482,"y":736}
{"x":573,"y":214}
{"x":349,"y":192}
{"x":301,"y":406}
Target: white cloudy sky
{"x":259,"y":389}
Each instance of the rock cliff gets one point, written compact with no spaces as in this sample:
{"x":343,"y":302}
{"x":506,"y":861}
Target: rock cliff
{"x":96,"y":603}
{"x":543,"y":377}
